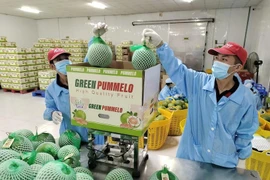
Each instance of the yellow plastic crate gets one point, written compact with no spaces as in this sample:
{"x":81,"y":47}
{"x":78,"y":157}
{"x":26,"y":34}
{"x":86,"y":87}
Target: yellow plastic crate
{"x":264,"y":129}
{"x":260,"y":161}
{"x":266,"y":122}
{"x":182,"y":125}
{"x":208,"y":71}
{"x":177,"y":117}
{"x":158,"y":131}
{"x":141,"y":141}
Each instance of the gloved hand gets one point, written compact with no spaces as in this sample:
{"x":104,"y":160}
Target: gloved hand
{"x":176,"y":96}
{"x":151,"y":37}
{"x":100,"y":29}
{"x":57,"y":117}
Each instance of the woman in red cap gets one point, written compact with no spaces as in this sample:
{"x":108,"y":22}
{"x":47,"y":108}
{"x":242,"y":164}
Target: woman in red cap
{"x":222,"y":115}
{"x":57,"y":94}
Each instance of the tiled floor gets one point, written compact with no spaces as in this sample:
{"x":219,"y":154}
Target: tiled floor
{"x":19,"y":111}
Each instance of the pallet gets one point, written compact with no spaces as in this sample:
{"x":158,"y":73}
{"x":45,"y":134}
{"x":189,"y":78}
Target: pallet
{"x":20,"y":91}
{"x":38,"y":93}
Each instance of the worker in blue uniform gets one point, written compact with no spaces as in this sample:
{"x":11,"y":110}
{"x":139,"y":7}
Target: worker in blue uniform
{"x":169,"y":90}
{"x":222,"y":115}
{"x":57,"y":95}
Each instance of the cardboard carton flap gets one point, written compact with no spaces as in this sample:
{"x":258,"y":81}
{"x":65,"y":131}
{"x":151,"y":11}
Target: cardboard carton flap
{"x":114,"y":65}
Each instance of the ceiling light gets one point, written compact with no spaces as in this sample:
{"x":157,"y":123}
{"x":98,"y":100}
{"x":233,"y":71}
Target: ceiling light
{"x":201,"y":27}
{"x":29,"y":9}
{"x":188,"y":1}
{"x":98,"y":5}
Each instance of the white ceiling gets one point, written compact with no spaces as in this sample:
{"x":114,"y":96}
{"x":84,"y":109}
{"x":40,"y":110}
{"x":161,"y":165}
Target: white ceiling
{"x":76,"y":8}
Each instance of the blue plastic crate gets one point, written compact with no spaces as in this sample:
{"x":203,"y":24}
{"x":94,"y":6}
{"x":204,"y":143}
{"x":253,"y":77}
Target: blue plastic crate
{"x":40,"y":93}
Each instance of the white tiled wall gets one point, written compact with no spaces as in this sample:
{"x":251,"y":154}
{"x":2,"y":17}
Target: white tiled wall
{"x":229,"y":24}
{"x":259,"y":38}
{"x":23,"y":31}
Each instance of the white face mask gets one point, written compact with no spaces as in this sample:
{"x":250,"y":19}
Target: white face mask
{"x":220,"y":70}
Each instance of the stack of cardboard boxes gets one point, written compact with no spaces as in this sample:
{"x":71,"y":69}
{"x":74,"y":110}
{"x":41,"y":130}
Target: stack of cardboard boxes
{"x":46,"y":44}
{"x":19,"y":67}
{"x":123,"y":51}
{"x":77,"y":49}
{"x":109,"y":43}
{"x":45,"y":78}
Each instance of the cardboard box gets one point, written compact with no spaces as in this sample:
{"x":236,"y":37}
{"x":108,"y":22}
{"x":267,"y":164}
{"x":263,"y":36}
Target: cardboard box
{"x":45,"y":81}
{"x":31,"y":62}
{"x":18,"y":74}
{"x":43,"y":86}
{"x":3,"y":68}
{"x":5,"y":80}
{"x":3,"y":44}
{"x":10,"y":44}
{"x":119,"y":57}
{"x":3,"y":39}
{"x":126,"y":58}
{"x":127,"y":42}
{"x":17,"y":63}
{"x":12,"y":56}
{"x":125,"y":51}
{"x":32,"y":73}
{"x":19,"y":80}
{"x":17,"y":68}
{"x":101,"y":97}
{"x":3,"y":56}
{"x":5,"y":85}
{"x":4,"y":74}
{"x":3,"y":63}
{"x":47,"y":74}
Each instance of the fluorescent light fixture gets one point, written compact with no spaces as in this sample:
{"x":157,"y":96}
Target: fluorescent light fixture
{"x":201,"y":28}
{"x":98,"y":5}
{"x":188,"y":1}
{"x":29,"y":9}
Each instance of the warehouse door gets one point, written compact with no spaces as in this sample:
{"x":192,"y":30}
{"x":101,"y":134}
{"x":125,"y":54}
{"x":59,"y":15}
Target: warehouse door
{"x":188,"y":41}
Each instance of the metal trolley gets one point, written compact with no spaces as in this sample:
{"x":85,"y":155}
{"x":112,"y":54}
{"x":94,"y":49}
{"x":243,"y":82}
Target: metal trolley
{"x":125,"y":151}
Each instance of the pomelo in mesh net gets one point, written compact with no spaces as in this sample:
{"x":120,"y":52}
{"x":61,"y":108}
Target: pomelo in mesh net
{"x":24,"y":132}
{"x":99,"y":53}
{"x":48,"y":147}
{"x":119,"y":174}
{"x":157,"y":175}
{"x":36,"y":168}
{"x":70,"y":137}
{"x":72,"y":162}
{"x":6,"y":154}
{"x":56,"y":171}
{"x":83,"y":170}
{"x":15,"y":169}
{"x":20,"y":143}
{"x":41,"y":138}
{"x":83,"y":176}
{"x":43,"y":158}
{"x":67,"y":150}
{"x":143,"y":58}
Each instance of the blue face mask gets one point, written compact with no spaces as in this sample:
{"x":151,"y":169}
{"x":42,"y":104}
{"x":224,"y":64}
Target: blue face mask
{"x":61,"y":66}
{"x":220,"y":70}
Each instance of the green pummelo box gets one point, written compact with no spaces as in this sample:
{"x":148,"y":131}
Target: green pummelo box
{"x":117,"y":99}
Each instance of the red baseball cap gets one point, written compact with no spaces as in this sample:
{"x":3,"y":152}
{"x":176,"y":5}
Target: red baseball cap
{"x":231,"y":48}
{"x":53,"y":53}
